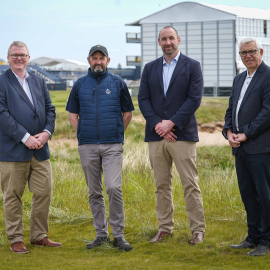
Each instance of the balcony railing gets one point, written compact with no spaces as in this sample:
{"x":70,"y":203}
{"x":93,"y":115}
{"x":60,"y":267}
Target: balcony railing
{"x":133,"y":37}
{"x":133,"y":60}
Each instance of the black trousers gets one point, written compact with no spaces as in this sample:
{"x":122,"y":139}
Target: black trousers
{"x":253,"y":173}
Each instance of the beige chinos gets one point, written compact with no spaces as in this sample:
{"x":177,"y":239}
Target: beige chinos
{"x":14,"y":176}
{"x":183,"y":153}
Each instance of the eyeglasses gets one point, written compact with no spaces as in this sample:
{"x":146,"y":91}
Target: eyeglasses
{"x":251,"y":52}
{"x":15,"y":56}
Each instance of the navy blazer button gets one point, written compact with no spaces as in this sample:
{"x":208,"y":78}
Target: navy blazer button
{"x":165,"y":111}
{"x":36,"y":116}
{"x":163,"y":99}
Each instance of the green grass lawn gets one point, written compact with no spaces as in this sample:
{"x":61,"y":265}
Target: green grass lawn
{"x":71,"y":220}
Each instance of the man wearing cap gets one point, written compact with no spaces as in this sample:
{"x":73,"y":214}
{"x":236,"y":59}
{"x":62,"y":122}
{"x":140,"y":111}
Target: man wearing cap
{"x":100,"y":109}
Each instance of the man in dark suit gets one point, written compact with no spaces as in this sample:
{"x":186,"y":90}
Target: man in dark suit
{"x":27,"y":119}
{"x":170,"y":93}
{"x":247,"y":128}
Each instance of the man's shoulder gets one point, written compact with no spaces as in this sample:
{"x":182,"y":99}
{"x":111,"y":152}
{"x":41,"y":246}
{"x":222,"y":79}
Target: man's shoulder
{"x":36,"y":77}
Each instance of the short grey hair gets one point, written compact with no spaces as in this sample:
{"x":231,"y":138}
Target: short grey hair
{"x":250,"y":39}
{"x":18,"y":44}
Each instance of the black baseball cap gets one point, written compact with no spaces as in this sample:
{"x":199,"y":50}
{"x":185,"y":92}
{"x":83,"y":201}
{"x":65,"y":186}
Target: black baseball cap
{"x":98,"y":48}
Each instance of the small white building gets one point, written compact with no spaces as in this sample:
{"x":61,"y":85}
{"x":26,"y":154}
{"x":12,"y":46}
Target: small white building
{"x":210,"y":34}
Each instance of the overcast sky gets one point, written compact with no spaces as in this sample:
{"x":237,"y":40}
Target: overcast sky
{"x":68,"y":29}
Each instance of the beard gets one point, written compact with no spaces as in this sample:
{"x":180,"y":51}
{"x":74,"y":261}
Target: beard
{"x":98,"y":70}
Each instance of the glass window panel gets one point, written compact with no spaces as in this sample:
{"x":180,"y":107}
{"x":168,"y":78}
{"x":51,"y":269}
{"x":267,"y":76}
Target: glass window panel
{"x":225,"y":66}
{"x":190,"y":51}
{"x":149,"y":47}
{"x":209,"y":37}
{"x":210,"y":78}
{"x":226,"y":72}
{"x":193,"y":38}
{"x":226,"y":50}
{"x":209,"y":31}
{"x":209,"y":25}
{"x":225,"y":37}
{"x":149,"y":34}
{"x":210,"y":56}
{"x":225,"y":31}
{"x":225,"y":25}
{"x":194,"y":45}
{"x":226,"y":61}
{"x":212,"y":50}
{"x":209,"y":61}
{"x":149,"y":58}
{"x":226,"y":45}
{"x":149,"y":27}
{"x":145,"y":53}
{"x":226,"y":78}
{"x":210,"y":72}
{"x":194,"y":32}
{"x":149,"y":40}
{"x":193,"y":26}
{"x":209,"y":45}
{"x":209,"y":67}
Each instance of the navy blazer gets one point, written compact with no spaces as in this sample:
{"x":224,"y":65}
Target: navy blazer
{"x":18,"y":116}
{"x":254,"y":111}
{"x":181,"y":102}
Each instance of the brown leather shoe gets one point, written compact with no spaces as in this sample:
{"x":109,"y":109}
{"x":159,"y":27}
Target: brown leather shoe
{"x":159,"y":237}
{"x":19,"y":248}
{"x":46,"y":242}
{"x":197,"y":238}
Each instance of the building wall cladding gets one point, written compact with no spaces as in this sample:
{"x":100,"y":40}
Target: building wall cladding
{"x":210,"y":43}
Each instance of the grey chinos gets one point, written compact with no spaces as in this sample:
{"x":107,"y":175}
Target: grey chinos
{"x":110,"y":157}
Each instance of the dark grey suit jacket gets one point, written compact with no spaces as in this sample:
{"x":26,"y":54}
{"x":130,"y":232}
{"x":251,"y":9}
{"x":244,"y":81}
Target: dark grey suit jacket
{"x":254,"y":112}
{"x":18,"y":116}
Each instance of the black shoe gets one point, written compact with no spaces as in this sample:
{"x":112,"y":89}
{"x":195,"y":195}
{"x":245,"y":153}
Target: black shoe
{"x":259,"y":251}
{"x":122,"y":244}
{"x":244,"y":244}
{"x":99,"y":241}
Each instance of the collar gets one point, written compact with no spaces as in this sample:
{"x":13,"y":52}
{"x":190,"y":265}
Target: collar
{"x":251,"y":76}
{"x":175,"y":58}
{"x":98,"y":75}
{"x":26,"y":75}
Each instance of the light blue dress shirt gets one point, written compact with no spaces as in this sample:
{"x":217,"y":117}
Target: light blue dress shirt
{"x":168,"y":71}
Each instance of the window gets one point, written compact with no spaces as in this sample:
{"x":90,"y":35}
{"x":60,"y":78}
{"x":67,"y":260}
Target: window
{"x":265,"y":28}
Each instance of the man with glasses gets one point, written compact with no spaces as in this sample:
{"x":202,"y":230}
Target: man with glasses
{"x":247,"y":128}
{"x":27,"y":119}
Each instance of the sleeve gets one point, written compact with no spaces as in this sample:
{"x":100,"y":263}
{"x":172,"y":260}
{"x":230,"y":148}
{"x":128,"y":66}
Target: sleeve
{"x":73,"y":105}
{"x":125,"y":98}
{"x":8,"y":124}
{"x":193,"y":101}
{"x":228,"y":116}
{"x":50,"y":110}
{"x":144,"y":98}
{"x":262,"y":121}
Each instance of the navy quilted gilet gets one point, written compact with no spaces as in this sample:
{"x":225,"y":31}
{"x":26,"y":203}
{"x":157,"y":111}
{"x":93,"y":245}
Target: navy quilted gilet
{"x":100,"y":116}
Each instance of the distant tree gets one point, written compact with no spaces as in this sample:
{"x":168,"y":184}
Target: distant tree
{"x":119,"y":65}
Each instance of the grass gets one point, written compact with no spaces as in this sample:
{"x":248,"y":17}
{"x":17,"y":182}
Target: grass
{"x":71,"y":220}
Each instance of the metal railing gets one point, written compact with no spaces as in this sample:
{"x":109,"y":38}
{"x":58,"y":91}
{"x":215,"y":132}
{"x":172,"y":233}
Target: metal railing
{"x":133,"y":37}
{"x":134,"y":60}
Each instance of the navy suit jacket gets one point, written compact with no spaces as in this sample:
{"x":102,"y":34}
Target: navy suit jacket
{"x":254,"y":112}
{"x":18,"y":116}
{"x":182,"y":98}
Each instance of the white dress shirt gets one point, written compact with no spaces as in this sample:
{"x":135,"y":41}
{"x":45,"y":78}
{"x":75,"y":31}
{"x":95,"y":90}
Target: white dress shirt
{"x":241,"y":96}
{"x":27,"y":91}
